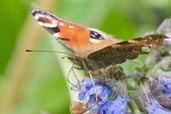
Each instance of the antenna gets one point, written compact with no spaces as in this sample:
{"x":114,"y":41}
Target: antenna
{"x":28,"y":50}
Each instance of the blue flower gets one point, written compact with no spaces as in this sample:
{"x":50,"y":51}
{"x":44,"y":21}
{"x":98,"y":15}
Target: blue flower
{"x":116,"y":106}
{"x":86,"y":85}
{"x":155,"y":108}
{"x":88,"y":94}
{"x":166,"y":85}
{"x":99,"y":99}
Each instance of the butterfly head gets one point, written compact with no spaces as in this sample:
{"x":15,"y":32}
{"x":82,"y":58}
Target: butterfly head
{"x":72,"y":35}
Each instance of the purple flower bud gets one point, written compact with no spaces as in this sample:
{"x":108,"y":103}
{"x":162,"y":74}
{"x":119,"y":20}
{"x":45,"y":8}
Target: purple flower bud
{"x":160,"y":89}
{"x":155,"y":108}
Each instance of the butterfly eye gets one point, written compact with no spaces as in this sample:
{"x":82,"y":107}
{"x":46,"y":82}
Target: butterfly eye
{"x":96,"y":35}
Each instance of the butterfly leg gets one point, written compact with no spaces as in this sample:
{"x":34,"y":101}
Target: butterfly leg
{"x":91,"y":77}
{"x":69,"y":81}
{"x":146,"y":95}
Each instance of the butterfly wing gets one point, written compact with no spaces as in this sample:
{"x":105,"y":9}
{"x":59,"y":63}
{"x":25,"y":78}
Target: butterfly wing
{"x":120,"y":52}
{"x":115,"y":54}
{"x":79,"y":39}
{"x":69,"y":34}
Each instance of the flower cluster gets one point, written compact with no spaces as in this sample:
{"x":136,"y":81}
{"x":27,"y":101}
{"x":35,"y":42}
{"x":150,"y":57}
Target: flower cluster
{"x":98,"y":98}
{"x":160,"y":96}
{"x":155,"y":108}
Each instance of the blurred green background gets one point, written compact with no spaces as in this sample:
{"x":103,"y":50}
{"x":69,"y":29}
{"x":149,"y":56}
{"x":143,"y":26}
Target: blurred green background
{"x":31,"y":83}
